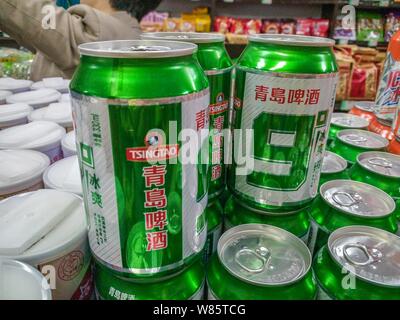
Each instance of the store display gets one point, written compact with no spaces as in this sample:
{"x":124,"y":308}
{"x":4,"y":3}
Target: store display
{"x":340,"y":121}
{"x":20,"y":281}
{"x":344,"y":203}
{"x":21,"y":171}
{"x":367,"y":254}
{"x":296,"y":222}
{"x":36,"y":99}
{"x":217,"y":65}
{"x":214,"y":215}
{"x":370,"y":26}
{"x":14,"y":114}
{"x":59,"y":113}
{"x":260,"y":262}
{"x":68,"y":144}
{"x":52,"y":238}
{"x":272,"y":103}
{"x":334,"y":167}
{"x":64,"y":175}
{"x":350,"y":143}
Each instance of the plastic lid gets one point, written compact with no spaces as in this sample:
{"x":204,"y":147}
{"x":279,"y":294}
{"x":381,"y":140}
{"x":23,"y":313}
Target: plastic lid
{"x":4,"y":94}
{"x":383,"y":163}
{"x":64,"y":175}
{"x":367,"y":106}
{"x":193,"y":37}
{"x":65,"y":97}
{"x":369,"y":253}
{"x":58,"y":84}
{"x":9,"y":113}
{"x":11,"y":84}
{"x":34,"y":135}
{"x":333,"y":163}
{"x":60,"y":113}
{"x":357,"y":198}
{"x":39,"y":223}
{"x":19,"y":281}
{"x":20,"y":169}
{"x":264,"y":255}
{"x":139,"y":49}
{"x":363,"y":139}
{"x":37,"y":97}
{"x":292,"y":40}
{"x":346,"y":120}
{"x":69,"y":142}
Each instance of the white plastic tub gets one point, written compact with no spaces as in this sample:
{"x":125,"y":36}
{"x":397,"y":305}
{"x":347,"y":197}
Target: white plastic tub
{"x":36,"y":99}
{"x":15,"y":85}
{"x":59,"y":113}
{"x":59,"y":84}
{"x":3,"y":95}
{"x":14,"y":114}
{"x":68,"y":144}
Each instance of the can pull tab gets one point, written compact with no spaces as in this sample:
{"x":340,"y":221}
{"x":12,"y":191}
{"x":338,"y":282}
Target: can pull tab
{"x":380,"y":162}
{"x":346,"y":199}
{"x":253,"y":261}
{"x":355,"y":138}
{"x":148,"y":48}
{"x":369,"y":256}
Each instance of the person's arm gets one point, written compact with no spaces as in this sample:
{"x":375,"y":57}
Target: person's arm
{"x":22,"y":20}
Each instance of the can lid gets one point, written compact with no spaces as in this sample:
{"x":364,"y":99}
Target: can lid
{"x":357,"y":198}
{"x":35,"y":98}
{"x":333,"y":163}
{"x":14,"y":85}
{"x":346,"y":120}
{"x":9,"y":113}
{"x":40,"y":222}
{"x":69,"y":142}
{"x":264,"y":255}
{"x":20,"y":281}
{"x":4,"y":94}
{"x":20,"y":169}
{"x":362,"y":139}
{"x":367,"y":106}
{"x":193,"y":37}
{"x":292,"y":40}
{"x":383,"y":163}
{"x":64,"y":175}
{"x":56,"y":83}
{"x":60,"y":113}
{"x":34,"y":135}
{"x":138,"y":49}
{"x":370,"y":254}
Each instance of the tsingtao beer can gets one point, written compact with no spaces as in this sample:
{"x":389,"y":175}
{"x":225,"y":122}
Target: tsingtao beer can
{"x":186,"y":285}
{"x":363,"y":258}
{"x":214,"y":213}
{"x":350,"y":143}
{"x":218,"y":67}
{"x":285,"y":92}
{"x":296,"y":222}
{"x":341,"y":120}
{"x":344,"y":203}
{"x":334,"y":167}
{"x":140,"y":108}
{"x":260,"y":262}
{"x":364,"y":109}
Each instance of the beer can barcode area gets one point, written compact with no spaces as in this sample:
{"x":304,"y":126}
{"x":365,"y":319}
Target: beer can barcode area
{"x":170,"y":167}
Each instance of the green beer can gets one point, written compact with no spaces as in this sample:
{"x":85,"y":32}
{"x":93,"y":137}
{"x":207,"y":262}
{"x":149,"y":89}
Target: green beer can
{"x":260,"y":262}
{"x":285,"y":93}
{"x":140,"y":107}
{"x":334,"y":167}
{"x":349,"y":143}
{"x":359,"y":263}
{"x":186,"y":285}
{"x":296,"y":222}
{"x":344,"y":203}
{"x":214,"y":214}
{"x":341,"y":120}
{"x":218,"y":67}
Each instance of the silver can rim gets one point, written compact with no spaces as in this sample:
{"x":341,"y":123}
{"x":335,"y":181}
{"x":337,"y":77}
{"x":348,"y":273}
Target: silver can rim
{"x":384,"y":141}
{"x":379,"y":153}
{"x":191,"y":37}
{"x":292,"y":40}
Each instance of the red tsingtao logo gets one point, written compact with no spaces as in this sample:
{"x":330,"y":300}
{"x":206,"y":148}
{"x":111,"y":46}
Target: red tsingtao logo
{"x":152,"y":154}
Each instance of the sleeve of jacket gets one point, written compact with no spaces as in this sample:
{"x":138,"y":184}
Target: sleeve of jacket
{"x":29,"y":23}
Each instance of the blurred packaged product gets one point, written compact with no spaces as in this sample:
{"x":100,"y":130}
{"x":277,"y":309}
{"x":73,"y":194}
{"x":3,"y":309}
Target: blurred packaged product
{"x":363,"y":82}
{"x":342,"y":31}
{"x":392,"y":25}
{"x":21,"y":171}
{"x":271,"y":26}
{"x":14,"y":114}
{"x":15,"y":63}
{"x":222,"y":24}
{"x":370,"y":26}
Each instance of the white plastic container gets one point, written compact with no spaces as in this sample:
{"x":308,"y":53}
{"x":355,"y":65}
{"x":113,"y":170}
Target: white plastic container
{"x":14,"y":114}
{"x":68,"y":144}
{"x":43,"y":136}
{"x":36,"y":99}
{"x":19,"y":281}
{"x":3,"y":95}
{"x":65,"y":97}
{"x":59,"y":84}
{"x":64,"y":175}
{"x":59,"y":113}
{"x":21,"y":171}
{"x":48,"y":230}
{"x":15,"y":85}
